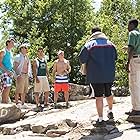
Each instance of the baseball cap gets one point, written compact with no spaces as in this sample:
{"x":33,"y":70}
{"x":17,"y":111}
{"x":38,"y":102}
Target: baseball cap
{"x":23,"y":45}
{"x":59,"y":52}
{"x":10,"y":39}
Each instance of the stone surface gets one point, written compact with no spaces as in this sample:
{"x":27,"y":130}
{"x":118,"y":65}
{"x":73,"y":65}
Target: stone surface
{"x":51,"y":124}
{"x":56,"y":133}
{"x":134,"y":119}
{"x":9,"y":113}
{"x":71,"y":123}
{"x":39,"y":129}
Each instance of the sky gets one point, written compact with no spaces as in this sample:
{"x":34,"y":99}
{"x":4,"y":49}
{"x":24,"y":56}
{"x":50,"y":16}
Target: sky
{"x":96,"y":4}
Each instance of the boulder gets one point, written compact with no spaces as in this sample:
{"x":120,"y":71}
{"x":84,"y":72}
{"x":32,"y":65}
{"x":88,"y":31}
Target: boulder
{"x":9,"y":113}
{"x":42,"y":129}
{"x":78,"y":92}
{"x":134,"y":119}
{"x":56,"y":133}
{"x":39,"y":129}
{"x":71,"y":123}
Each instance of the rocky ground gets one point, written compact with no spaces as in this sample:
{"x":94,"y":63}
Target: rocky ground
{"x":74,"y":123}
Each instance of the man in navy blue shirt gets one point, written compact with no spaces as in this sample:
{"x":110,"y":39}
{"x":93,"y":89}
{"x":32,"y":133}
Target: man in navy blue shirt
{"x":99,"y":55}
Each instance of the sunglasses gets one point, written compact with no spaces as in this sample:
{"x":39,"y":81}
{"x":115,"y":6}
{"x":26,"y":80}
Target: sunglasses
{"x":40,"y":51}
{"x":24,"y":48}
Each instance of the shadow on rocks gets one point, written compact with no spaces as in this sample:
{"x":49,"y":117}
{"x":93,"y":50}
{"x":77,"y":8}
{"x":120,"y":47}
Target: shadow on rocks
{"x":103,"y":133}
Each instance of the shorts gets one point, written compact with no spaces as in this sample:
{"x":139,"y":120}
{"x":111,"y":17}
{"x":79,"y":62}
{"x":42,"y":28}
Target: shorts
{"x":43,"y":85}
{"x":58,"y":87}
{"x":6,"y":81}
{"x":102,"y":89}
{"x":22,"y":84}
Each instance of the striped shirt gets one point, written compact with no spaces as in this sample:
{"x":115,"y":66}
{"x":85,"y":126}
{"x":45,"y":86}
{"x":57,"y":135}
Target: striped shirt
{"x":61,"y":79}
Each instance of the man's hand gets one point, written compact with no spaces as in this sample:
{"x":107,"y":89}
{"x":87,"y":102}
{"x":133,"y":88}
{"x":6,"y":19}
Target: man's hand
{"x":18,"y":77}
{"x":127,"y":67}
{"x":10,"y":73}
{"x":37,"y":80}
{"x":66,"y":71}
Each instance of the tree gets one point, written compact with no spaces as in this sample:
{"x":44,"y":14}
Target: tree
{"x":53,"y":24}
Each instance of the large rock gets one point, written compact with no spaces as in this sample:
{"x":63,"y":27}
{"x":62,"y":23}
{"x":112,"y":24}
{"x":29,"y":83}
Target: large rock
{"x":42,"y":129}
{"x":71,"y":123}
{"x":78,"y":92}
{"x":134,"y":119}
{"x":9,"y":113}
{"x":56,"y":133}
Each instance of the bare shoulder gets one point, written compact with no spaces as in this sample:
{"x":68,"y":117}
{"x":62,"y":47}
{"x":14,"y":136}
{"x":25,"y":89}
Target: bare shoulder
{"x":66,"y":61}
{"x":56,"y":61}
{"x":34,"y":61}
{"x":2,"y":53}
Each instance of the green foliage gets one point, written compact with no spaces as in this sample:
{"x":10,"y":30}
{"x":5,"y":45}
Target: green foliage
{"x":52,"y":24}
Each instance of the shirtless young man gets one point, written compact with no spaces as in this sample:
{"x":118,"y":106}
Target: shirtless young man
{"x":61,"y":69}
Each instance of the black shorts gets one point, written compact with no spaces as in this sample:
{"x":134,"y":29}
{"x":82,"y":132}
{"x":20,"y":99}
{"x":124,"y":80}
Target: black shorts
{"x":103,"y":89}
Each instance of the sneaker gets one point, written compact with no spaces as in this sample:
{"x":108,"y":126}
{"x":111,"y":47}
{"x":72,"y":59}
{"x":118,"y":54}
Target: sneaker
{"x":46,"y":105}
{"x":99,"y":124}
{"x":67,"y":105}
{"x":110,"y":116}
{"x":40,"y":108}
{"x":19,"y":105}
{"x":24,"y":106}
{"x":55,"y":105}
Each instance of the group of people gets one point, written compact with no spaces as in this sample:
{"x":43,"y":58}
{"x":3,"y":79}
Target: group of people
{"x":21,"y":69}
{"x":98,"y":56}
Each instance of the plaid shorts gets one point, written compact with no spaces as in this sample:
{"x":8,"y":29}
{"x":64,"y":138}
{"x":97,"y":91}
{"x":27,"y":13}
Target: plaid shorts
{"x":5,"y":81}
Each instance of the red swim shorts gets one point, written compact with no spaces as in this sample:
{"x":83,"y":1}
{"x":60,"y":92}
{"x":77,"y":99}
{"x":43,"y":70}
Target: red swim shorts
{"x":61,"y":87}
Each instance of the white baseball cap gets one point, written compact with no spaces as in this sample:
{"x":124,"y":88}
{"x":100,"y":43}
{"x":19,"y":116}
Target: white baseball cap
{"x":59,"y":52}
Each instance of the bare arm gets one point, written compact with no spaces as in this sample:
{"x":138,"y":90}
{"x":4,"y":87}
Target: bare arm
{"x":34,"y":70}
{"x":47,"y":71}
{"x":130,"y":55}
{"x":68,"y":67}
{"x":16,"y":64}
{"x":54,"y":70}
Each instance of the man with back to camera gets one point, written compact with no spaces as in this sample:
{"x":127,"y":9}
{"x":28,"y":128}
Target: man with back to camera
{"x":99,"y":55}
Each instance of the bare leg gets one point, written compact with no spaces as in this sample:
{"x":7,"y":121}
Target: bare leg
{"x":110,"y":102}
{"x":16,"y":97}
{"x":5,"y":95}
{"x":66,"y":96}
{"x":23,"y":97}
{"x":55,"y":97}
{"x":46,"y":94}
{"x":36,"y":95}
{"x":99,"y":106}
